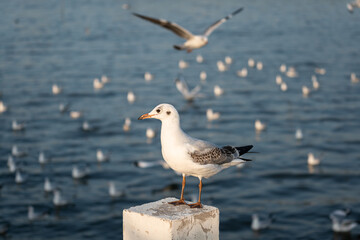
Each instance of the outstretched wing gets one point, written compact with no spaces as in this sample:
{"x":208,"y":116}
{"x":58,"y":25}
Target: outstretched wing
{"x":178,"y":30}
{"x":216,"y":24}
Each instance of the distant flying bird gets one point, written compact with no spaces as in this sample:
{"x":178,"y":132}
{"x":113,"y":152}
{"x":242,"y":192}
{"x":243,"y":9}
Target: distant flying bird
{"x":352,"y":5}
{"x":192,"y":41}
{"x":183,"y":88}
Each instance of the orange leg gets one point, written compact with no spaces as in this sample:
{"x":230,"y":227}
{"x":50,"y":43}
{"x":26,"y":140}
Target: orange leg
{"x":198,"y":204}
{"x":189,"y":50}
{"x":181,"y":201}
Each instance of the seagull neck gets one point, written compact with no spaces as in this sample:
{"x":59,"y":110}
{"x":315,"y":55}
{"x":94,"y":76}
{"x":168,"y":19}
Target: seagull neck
{"x":170,"y":129}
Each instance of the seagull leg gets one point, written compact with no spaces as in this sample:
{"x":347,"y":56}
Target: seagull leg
{"x":198,"y":204}
{"x":189,"y":50}
{"x":181,"y":201}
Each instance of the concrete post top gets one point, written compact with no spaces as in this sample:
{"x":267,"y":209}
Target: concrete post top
{"x":162,"y":209}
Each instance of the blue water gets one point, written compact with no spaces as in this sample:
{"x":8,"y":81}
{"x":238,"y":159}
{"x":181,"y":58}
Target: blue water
{"x":72,"y":42}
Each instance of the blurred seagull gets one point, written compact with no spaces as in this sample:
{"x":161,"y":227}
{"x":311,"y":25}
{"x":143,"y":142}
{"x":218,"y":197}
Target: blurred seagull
{"x":283,"y":68}
{"x":353,"y":78}
{"x":113,"y":192}
{"x":32,"y":215}
{"x":127,"y":124}
{"x":131,"y":97}
{"x":15,"y":126}
{"x":16,"y":152}
{"x":291,"y":72}
{"x":203,"y":76}
{"x":283,"y":86}
{"x":75,"y":114}
{"x":58,"y":200}
{"x":148,"y":77}
{"x":183,"y":64}
{"x":312,"y":160}
{"x":298,"y":134}
{"x":183,"y":88}
{"x":19,"y":178}
{"x":211,"y":115}
{"x":78,"y":173}
{"x":315,"y":82}
{"x":47,"y":185}
{"x":320,"y":71}
{"x":97,"y":84}
{"x":150,"y":133}
{"x":278,"y":80}
{"x":259,"y":66}
{"x":218,"y":91}
{"x":192,"y":41}
{"x":242,"y":73}
{"x":86,"y":127}
{"x":340,"y":222}
{"x":305,"y":91}
{"x":259,"y":223}
{"x":11,"y":164}
{"x":228,"y":60}
{"x":191,"y":156}
{"x":259,"y":126}
{"x":251,"y":62}
{"x":352,"y":5}
{"x":64,"y":107}
{"x":148,"y":164}
{"x":101,"y":156}
{"x":56,"y":89}
{"x":3,"y":107}
{"x":104,"y":79}
{"x":199,"y":58}
{"x":42,"y":158}
{"x":221,"y":66}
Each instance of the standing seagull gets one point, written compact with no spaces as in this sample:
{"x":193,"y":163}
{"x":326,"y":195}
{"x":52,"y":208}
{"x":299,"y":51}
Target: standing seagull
{"x":192,"y":41}
{"x":191,"y":156}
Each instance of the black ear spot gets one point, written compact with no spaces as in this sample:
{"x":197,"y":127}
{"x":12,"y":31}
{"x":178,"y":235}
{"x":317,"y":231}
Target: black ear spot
{"x":168,"y":112}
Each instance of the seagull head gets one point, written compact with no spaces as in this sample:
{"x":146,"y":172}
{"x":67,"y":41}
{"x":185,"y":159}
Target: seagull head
{"x":163,"y":112}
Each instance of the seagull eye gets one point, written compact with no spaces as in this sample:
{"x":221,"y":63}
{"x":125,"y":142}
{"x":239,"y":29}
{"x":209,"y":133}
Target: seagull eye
{"x":168,"y":112}
{"x":158,"y":110}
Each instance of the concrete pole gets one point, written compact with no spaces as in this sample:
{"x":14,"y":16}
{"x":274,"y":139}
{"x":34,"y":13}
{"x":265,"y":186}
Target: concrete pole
{"x":162,"y":221}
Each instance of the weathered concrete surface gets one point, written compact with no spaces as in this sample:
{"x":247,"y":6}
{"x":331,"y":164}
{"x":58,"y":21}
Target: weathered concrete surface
{"x":162,"y":221}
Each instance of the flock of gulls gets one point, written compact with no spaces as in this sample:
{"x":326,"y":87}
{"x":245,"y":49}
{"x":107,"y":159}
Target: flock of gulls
{"x":187,"y":156}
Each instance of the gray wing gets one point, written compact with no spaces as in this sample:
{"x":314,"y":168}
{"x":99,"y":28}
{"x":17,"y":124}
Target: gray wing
{"x":178,"y":30}
{"x":216,"y":24}
{"x":214,"y":155}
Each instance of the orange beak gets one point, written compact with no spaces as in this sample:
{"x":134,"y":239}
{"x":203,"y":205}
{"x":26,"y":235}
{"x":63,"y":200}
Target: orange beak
{"x":145,"y":116}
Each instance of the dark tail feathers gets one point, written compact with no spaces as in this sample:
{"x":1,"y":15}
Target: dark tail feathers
{"x":244,"y":149}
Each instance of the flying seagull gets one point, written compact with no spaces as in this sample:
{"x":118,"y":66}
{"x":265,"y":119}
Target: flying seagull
{"x":192,"y":41}
{"x":190,"y":156}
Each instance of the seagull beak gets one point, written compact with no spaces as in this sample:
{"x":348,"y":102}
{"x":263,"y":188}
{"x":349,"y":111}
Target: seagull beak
{"x":145,"y":116}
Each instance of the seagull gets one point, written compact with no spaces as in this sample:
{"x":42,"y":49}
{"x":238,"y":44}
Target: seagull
{"x":113,"y":192}
{"x":183,"y":88}
{"x":11,"y":164}
{"x":148,"y":77}
{"x":291,"y":72}
{"x":48,"y":186}
{"x":144,"y":164}
{"x":340,"y":222}
{"x":32,"y":215}
{"x":199,"y":58}
{"x":16,"y":152}
{"x":305,"y":91}
{"x":320,"y":71}
{"x":259,"y":66}
{"x":127,"y":124}
{"x":78,"y":173}
{"x":98,"y":84}
{"x":315,"y":82}
{"x":353,"y":78}
{"x":19,"y":177}
{"x":63,"y":107}
{"x":190,"y":156}
{"x":101,"y":156}
{"x":75,"y":114}
{"x":203,"y":76}
{"x":211,"y":115}
{"x":131,"y":97}
{"x":183,"y":64}
{"x":298,"y":134}
{"x":259,"y":126}
{"x":3,"y":107}
{"x":150,"y":133}
{"x":259,"y":223}
{"x":278,"y":80}
{"x":42,"y":158}
{"x":104,"y":79}
{"x":242,"y":73}
{"x":228,"y":60}
{"x":251,"y":62}
{"x":283,"y":86}
{"x":350,"y":6}
{"x":312,"y":160}
{"x":221,"y":66}
{"x":283,"y":68}
{"x":15,"y":126}
{"x":56,"y":89}
{"x":86,"y":127}
{"x":218,"y":91}
{"x":58,"y":200}
{"x":192,"y":41}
